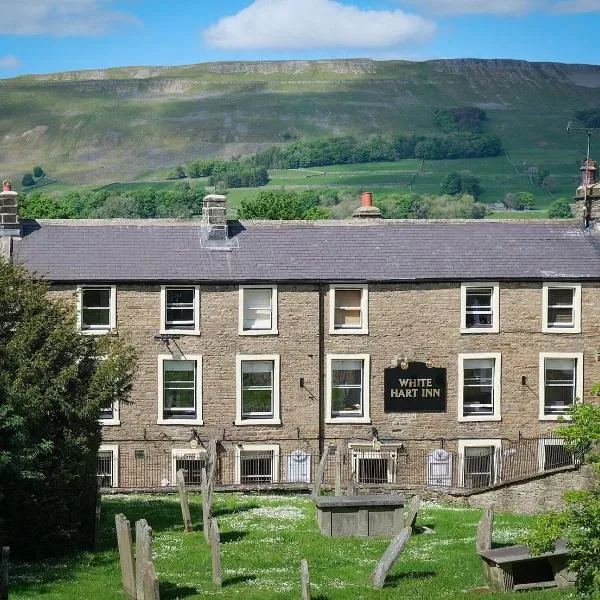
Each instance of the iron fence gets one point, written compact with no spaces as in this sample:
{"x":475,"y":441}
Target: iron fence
{"x":472,"y":466}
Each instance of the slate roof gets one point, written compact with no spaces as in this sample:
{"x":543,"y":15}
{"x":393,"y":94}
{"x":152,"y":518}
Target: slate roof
{"x":170,"y":251}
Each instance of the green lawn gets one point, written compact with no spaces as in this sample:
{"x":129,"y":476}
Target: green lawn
{"x":263,"y":539}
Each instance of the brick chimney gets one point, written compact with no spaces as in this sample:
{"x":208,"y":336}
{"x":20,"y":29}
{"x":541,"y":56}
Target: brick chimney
{"x":588,"y":171}
{"x":9,"y":211}
{"x":366,"y":210}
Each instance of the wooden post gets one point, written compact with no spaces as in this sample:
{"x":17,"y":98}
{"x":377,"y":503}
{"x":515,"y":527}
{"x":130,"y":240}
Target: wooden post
{"x":4,"y":565}
{"x":305,"y":579}
{"x":206,"y":507}
{"x":338,"y":473}
{"x":126,"y":555}
{"x":143,"y":554}
{"x":389,"y":558}
{"x":485,"y":529}
{"x":215,"y":548}
{"x":183,"y":499}
{"x":320,"y":472}
{"x":151,"y":589}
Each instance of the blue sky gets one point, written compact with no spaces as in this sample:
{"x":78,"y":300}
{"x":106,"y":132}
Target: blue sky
{"x":44,"y":36}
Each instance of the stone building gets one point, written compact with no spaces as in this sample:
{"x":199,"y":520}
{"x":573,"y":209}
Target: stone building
{"x":429,"y":352}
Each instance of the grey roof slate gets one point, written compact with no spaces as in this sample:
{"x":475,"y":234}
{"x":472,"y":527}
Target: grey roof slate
{"x":136,"y":250}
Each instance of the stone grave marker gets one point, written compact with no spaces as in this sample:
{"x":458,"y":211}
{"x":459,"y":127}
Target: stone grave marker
{"x":183,"y":500}
{"x":413,"y":510}
{"x":215,"y":547}
{"x":320,"y":472}
{"x":126,"y":555}
{"x":4,"y":565}
{"x":338,"y":472}
{"x":485,"y":529}
{"x":352,"y":487}
{"x":305,"y":579}
{"x":143,"y":554}
{"x":389,"y":558}
{"x":150,"y":583}
{"x":206,"y":507}
{"x":212,"y":470}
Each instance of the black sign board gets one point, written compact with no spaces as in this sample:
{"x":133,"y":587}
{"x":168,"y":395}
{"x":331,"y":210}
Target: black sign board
{"x":418,"y":388}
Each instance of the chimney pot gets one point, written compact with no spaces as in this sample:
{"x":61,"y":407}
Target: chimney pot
{"x":366,"y":199}
{"x":6,"y":186}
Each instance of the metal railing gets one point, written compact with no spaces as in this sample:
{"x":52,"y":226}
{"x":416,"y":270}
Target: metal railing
{"x":400,"y":465}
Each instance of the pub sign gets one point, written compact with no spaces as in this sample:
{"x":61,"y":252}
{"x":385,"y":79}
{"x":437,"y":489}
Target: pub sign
{"x":418,"y":388}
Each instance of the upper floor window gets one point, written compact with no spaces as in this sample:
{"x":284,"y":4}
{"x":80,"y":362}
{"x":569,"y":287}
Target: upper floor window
{"x":479,"y":308}
{"x":561,"y":382}
{"x":348,"y":379}
{"x":479,"y":387}
{"x":348,"y":309}
{"x":258,"y":310}
{"x":109,"y":413}
{"x":96,"y":309}
{"x":180,"y":309}
{"x":561,"y":308}
{"x":257,"y":390}
{"x":179,"y":390}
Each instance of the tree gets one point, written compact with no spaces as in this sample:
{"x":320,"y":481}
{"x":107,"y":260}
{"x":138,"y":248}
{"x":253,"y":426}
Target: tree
{"x":52,"y":385}
{"x":560,"y":209}
{"x":282,"y":205}
{"x":176,"y":173}
{"x":579,"y":522}
{"x":27,"y":180}
{"x":38,"y":172}
{"x":526,"y":201}
{"x":451,"y":184}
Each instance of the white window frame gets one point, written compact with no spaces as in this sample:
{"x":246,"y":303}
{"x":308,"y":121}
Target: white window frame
{"x":114,"y":449}
{"x":496,"y":443}
{"x":112,"y":325}
{"x":464,"y":287}
{"x":274,"y":311}
{"x":576,"y":328}
{"x":190,"y":357}
{"x":542,"y":443}
{"x":185,"y":453}
{"x":366,"y":416}
{"x":240,"y":448}
{"x":497,"y":389}
{"x":163,"y":310}
{"x":115,"y":418}
{"x":276,"y":418}
{"x":364,"y":310}
{"x":361,"y":451}
{"x":578,"y":356}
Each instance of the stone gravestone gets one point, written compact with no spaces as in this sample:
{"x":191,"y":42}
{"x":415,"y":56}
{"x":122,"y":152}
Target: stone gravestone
{"x":305,"y":579}
{"x":485,"y":530}
{"x":413,"y":511}
{"x":206,"y":507}
{"x":183,"y":499}
{"x":389,"y":558}
{"x":320,"y":472}
{"x":352,"y":487}
{"x":4,"y":564}
{"x":150,"y":584}
{"x":143,"y":554}
{"x":338,"y":472}
{"x":126,"y":555}
{"x":212,"y":470}
{"x":215,"y":547}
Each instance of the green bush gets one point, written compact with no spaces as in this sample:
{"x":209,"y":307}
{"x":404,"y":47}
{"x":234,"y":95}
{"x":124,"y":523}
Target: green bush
{"x":560,"y":209}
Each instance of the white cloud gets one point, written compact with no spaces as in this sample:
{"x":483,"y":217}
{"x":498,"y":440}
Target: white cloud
{"x":505,"y":7}
{"x":9,"y":62}
{"x":306,"y":24}
{"x":60,"y":18}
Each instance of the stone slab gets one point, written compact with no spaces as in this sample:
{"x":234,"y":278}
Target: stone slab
{"x":371,"y":500}
{"x":510,"y":554}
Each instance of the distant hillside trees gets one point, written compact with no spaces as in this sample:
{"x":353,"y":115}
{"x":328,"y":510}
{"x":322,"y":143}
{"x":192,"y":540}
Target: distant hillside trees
{"x":38,"y":172}
{"x":519,"y":201}
{"x":276,"y":205}
{"x":32,"y":178}
{"x":463,"y":118}
{"x":456,"y":183}
{"x":416,"y":206}
{"x":590,"y":118}
{"x":560,"y":209}
{"x":28,"y":180}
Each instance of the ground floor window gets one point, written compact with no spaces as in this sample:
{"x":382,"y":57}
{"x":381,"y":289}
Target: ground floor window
{"x":374,"y":466}
{"x":552,"y":454}
{"x":108,"y":465}
{"x":256,"y":464}
{"x":480,"y":462}
{"x":191,"y":462}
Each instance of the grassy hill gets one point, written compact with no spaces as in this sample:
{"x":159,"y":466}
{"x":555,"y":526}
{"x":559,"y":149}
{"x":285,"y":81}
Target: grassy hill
{"x":127,"y":124}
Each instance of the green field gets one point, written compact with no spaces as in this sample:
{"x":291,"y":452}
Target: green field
{"x":263,"y":540}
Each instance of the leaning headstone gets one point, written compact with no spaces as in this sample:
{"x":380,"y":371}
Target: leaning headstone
{"x":389,"y":558}
{"x":413,"y":511}
{"x":338,"y":473}
{"x":212,"y":469}
{"x":4,"y":564}
{"x":352,"y":487}
{"x":150,"y":584}
{"x":143,"y":554}
{"x":206,"y":507}
{"x":305,"y":579}
{"x":215,"y":548}
{"x":183,"y":499}
{"x":320,"y":472}
{"x":485,"y":529}
{"x":126,"y":555}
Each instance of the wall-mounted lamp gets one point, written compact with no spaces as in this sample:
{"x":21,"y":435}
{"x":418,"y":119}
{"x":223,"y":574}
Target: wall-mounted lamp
{"x":523,"y":380}
{"x":376,"y":441}
{"x":194,"y":440}
{"x":404,"y":363}
{"x":301,"y":382}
